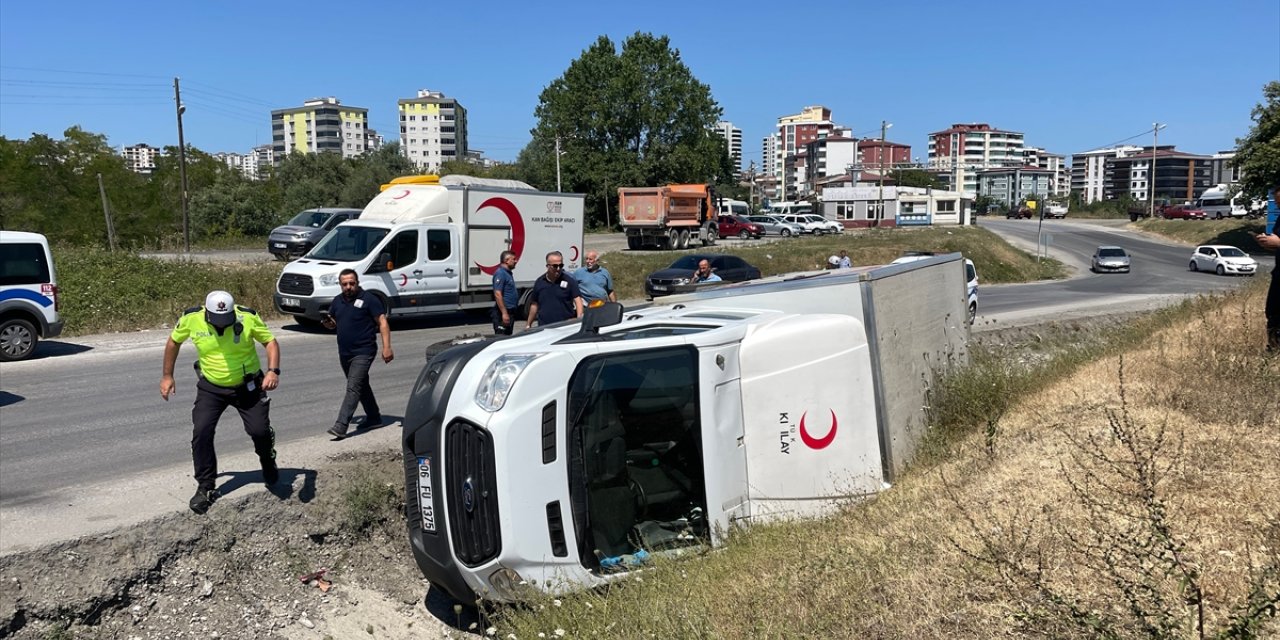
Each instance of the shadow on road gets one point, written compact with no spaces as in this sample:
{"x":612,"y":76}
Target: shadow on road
{"x":458,"y":615}
{"x":7,"y":398}
{"x":479,"y":317}
{"x":282,"y":489}
{"x":57,"y":348}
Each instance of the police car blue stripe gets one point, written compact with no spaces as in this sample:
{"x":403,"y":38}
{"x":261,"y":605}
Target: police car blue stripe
{"x":26,"y":294}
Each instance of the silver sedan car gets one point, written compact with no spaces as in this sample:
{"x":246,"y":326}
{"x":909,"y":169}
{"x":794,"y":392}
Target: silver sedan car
{"x":774,"y":226}
{"x":1110,"y":258}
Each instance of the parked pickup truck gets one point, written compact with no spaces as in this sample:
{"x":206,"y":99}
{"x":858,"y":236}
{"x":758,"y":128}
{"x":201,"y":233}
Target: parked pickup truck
{"x":564,"y":457}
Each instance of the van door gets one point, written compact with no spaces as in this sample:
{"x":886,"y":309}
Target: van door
{"x":404,"y":288}
{"x":439,"y":272}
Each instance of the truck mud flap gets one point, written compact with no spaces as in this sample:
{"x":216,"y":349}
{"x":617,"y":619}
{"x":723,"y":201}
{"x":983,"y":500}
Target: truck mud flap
{"x":421,"y":441}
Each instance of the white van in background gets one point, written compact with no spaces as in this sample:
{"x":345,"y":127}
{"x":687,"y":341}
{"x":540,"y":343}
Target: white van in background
{"x":1217,"y":204}
{"x":734,"y":208}
{"x":28,"y":294}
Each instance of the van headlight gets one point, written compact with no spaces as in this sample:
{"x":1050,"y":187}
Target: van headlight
{"x":495,"y":385}
{"x":328,"y":279}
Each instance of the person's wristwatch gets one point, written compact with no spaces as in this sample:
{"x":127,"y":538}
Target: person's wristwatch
{"x":275,"y":370}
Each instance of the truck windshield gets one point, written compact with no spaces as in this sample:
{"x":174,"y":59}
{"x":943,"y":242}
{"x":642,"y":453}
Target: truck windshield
{"x":348,"y":244}
{"x":636,"y":473}
{"x":315,"y":219}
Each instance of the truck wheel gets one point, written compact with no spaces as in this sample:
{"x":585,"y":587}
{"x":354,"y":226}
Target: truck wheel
{"x":682,"y":241}
{"x":633,"y":243}
{"x":18,"y":339}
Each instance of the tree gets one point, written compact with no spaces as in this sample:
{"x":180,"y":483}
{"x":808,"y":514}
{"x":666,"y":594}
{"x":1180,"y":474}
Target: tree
{"x":915,"y":178}
{"x":1258,"y":153}
{"x":635,"y":117}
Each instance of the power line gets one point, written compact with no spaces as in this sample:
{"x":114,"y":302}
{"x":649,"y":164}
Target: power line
{"x":232,"y":94}
{"x":71,"y":84}
{"x":83,"y":73}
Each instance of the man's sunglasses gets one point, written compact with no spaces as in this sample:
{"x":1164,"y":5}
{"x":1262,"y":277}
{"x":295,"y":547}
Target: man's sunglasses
{"x":555,"y":266}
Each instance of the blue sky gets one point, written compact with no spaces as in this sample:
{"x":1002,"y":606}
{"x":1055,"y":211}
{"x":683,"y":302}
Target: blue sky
{"x":1071,"y":76}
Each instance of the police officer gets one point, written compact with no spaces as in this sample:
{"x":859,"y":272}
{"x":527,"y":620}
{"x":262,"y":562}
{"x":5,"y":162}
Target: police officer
{"x":229,"y":375}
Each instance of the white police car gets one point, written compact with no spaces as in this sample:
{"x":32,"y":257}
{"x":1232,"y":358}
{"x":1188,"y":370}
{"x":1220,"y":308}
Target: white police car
{"x":970,"y":276}
{"x":28,"y":294}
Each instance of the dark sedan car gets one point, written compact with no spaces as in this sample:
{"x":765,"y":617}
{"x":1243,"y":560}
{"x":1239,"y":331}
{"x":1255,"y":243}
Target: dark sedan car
{"x":677,"y":277}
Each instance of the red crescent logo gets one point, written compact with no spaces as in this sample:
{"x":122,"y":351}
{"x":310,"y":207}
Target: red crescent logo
{"x":817,"y":443}
{"x":517,"y":229}
{"x":575,"y":253}
{"x":403,"y":195}
{"x":404,"y":279}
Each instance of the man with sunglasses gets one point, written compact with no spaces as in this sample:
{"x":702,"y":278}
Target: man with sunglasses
{"x":555,"y":296}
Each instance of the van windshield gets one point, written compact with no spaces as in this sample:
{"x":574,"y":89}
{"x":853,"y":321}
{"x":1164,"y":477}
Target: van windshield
{"x":348,"y":243}
{"x":315,"y":219}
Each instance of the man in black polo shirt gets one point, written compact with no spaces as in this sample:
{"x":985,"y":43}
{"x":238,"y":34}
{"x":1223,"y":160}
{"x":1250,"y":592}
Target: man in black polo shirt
{"x":555,"y":295}
{"x":359,"y":318}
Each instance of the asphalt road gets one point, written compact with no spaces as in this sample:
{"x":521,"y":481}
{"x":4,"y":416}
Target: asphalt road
{"x":87,"y":444}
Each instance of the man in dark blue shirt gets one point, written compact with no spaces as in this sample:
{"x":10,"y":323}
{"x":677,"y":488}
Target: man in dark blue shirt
{"x":555,"y":295}
{"x":505,"y":296}
{"x":359,"y":317}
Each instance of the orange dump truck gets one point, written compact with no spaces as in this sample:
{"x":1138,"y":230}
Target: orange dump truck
{"x":670,"y":217}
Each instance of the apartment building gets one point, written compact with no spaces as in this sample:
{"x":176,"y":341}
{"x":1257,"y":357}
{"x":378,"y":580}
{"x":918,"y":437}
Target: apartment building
{"x":733,"y":141}
{"x":1011,"y":185}
{"x":873,"y":154}
{"x":1221,"y":170}
{"x":769,"y":165}
{"x":824,"y":158}
{"x":1053,"y":162}
{"x":320,"y":125}
{"x":433,"y":129}
{"x":958,"y":153}
{"x":1088,"y":171}
{"x":264,"y":157}
{"x":140,"y":158}
{"x":1177,"y":176}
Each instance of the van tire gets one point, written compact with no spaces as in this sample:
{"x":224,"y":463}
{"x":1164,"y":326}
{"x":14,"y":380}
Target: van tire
{"x":18,"y":339}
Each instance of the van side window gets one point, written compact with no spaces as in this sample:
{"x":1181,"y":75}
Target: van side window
{"x":404,"y":248}
{"x":23,"y":263}
{"x":438,"y":245}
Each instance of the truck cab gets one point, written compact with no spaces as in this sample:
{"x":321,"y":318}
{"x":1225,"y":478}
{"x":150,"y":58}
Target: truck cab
{"x":655,"y":434}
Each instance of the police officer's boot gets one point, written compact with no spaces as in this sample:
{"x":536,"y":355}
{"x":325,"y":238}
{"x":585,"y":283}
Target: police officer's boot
{"x":202,"y":500}
{"x":265,"y":448}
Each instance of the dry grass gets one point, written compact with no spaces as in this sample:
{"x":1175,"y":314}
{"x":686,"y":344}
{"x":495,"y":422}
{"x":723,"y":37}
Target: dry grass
{"x":998,"y":539}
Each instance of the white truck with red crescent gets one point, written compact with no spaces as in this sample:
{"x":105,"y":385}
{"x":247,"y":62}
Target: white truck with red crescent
{"x":567,"y":456}
{"x":429,"y":245}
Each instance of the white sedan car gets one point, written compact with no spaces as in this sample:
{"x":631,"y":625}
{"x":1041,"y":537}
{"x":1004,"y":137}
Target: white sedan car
{"x":1223,"y":259}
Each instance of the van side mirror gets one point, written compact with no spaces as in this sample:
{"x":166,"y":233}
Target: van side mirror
{"x":383,"y":264}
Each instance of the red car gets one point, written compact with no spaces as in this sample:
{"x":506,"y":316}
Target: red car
{"x":737,"y":226}
{"x":1182,"y":212}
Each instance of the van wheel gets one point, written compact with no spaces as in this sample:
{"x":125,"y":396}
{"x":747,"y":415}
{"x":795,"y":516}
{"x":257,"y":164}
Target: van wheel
{"x":18,"y":339}
{"x":973,"y":313}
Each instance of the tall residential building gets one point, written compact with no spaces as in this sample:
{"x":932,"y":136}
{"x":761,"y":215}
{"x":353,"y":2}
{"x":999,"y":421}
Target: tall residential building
{"x":733,"y":140}
{"x":140,"y":158}
{"x":1053,"y":162}
{"x":373,"y":140}
{"x":874,"y":154}
{"x":320,"y":125}
{"x":246,"y":164}
{"x":264,"y":157}
{"x":824,"y":158}
{"x":1178,"y":176}
{"x":958,"y":153}
{"x":769,"y":155}
{"x":433,"y":129}
{"x":1088,"y":171}
{"x":794,"y":132}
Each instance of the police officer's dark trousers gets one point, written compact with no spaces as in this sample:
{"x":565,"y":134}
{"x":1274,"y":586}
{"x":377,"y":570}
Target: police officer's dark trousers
{"x":211,"y":400}
{"x":1273,"y":309}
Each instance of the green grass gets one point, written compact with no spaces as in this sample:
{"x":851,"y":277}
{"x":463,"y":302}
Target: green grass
{"x":997,"y":261}
{"x":100,"y":291}
{"x":1238,"y":233}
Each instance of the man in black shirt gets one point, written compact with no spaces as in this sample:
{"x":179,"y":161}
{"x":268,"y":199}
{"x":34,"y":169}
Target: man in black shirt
{"x":359,"y":317}
{"x":555,"y":295}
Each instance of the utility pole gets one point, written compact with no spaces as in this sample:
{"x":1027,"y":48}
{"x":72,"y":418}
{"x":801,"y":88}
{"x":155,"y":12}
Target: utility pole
{"x":106,"y":213}
{"x":884,"y":128}
{"x":558,"y":164}
{"x":182,"y":168}
{"x":1151,"y":175}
